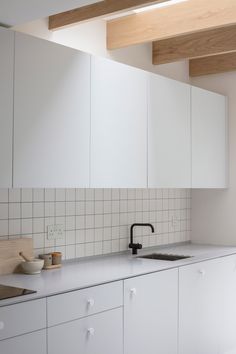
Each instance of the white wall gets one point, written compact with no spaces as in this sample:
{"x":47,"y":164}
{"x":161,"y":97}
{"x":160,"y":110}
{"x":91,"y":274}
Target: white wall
{"x":214,"y":211}
{"x":91,"y":37}
{"x":15,"y":12}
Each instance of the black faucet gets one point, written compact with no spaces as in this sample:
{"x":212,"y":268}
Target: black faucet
{"x":137,"y":246}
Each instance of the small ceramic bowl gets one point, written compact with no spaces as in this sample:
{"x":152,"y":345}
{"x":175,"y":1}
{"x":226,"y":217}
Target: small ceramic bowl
{"x":47,"y":259}
{"x":33,"y":267}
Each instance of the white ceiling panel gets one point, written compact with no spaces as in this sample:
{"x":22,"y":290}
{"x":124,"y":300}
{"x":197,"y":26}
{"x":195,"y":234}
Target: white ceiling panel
{"x":15,"y":12}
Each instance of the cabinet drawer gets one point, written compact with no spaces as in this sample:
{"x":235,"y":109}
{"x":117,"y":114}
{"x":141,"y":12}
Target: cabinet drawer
{"x":22,"y":318}
{"x":32,"y":343}
{"x":97,"y":334}
{"x":81,"y":303}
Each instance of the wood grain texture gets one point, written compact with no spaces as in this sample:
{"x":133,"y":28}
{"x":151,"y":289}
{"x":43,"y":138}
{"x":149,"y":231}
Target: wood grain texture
{"x":172,"y":21}
{"x":212,"y":65}
{"x":195,"y":45}
{"x":9,"y":254}
{"x":92,"y":11}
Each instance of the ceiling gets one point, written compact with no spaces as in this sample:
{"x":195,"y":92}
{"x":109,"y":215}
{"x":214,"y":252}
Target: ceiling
{"x":15,"y":12}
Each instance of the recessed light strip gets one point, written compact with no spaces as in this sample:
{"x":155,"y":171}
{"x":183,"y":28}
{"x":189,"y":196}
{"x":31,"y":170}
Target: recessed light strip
{"x":158,"y":6}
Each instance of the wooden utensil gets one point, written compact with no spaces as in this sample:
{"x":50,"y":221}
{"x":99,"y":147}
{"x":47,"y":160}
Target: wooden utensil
{"x":25,"y":257}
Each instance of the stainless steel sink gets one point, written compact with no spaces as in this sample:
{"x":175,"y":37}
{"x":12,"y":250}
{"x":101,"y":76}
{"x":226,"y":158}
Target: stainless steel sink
{"x":164,"y":257}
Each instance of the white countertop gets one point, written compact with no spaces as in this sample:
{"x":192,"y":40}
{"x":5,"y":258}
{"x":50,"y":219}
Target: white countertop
{"x":94,"y":271}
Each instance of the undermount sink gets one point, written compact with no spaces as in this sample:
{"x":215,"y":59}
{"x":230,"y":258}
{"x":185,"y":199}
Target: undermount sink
{"x":164,"y":257}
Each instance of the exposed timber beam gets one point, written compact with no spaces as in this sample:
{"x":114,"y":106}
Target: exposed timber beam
{"x":195,"y":45}
{"x":95,"y":10}
{"x":212,"y":65}
{"x":179,"y":19}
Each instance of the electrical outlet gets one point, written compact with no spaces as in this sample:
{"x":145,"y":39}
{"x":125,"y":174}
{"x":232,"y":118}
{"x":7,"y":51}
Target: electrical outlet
{"x":175,"y":221}
{"x":56,"y":232}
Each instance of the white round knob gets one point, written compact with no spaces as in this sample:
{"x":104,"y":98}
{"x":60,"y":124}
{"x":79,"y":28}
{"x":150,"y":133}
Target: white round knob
{"x":1,"y":325}
{"x":91,"y":302}
{"x":91,"y":331}
{"x":133,"y":292}
{"x":202,"y":272}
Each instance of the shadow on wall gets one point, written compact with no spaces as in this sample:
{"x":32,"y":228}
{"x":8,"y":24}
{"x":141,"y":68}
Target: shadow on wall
{"x":91,"y":37}
{"x":213,"y":211}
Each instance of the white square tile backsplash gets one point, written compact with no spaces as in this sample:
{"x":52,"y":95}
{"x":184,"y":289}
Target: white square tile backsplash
{"x":96,"y":221}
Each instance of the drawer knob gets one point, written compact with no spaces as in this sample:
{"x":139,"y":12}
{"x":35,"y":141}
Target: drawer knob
{"x":133,"y":292}
{"x":91,"y":331}
{"x":91,"y":302}
{"x":202,"y":272}
{"x":1,"y":325}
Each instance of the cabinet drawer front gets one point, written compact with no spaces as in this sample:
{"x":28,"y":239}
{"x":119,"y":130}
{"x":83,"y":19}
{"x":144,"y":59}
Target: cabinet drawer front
{"x":81,"y":303}
{"x":32,"y":343}
{"x":97,"y":334}
{"x":22,"y":318}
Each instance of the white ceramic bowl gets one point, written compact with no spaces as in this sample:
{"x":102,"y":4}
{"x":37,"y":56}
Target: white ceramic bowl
{"x":33,"y":267}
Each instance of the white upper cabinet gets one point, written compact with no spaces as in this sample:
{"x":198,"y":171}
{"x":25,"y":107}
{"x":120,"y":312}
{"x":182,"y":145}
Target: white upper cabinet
{"x":169,"y":140}
{"x":209,"y":139}
{"x":6,"y":104}
{"x":92,"y":122}
{"x":119,"y":125}
{"x":52,"y":115}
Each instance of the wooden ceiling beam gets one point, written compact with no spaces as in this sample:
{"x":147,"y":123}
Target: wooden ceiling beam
{"x":89,"y":12}
{"x":195,"y":45}
{"x":167,"y":22}
{"x":212,"y":65}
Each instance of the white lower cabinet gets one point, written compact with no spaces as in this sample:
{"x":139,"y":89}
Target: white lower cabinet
{"x":228,"y":319}
{"x":85,"y":302}
{"x":151,"y":314}
{"x":32,"y":343}
{"x":207,"y":307}
{"x":186,"y":310}
{"x":200,"y":307}
{"x":97,"y":334}
{"x":22,"y":318}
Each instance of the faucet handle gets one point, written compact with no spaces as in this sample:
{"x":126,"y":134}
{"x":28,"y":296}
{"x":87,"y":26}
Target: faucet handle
{"x":135,"y":247}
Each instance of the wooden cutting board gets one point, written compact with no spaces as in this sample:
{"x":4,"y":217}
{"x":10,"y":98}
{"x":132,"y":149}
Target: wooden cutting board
{"x":9,"y":254}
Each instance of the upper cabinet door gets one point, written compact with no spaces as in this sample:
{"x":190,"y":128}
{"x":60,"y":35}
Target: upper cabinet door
{"x":6,"y":104}
{"x":119,"y":125}
{"x":52,"y":115}
{"x":169,"y":140}
{"x":209,"y":139}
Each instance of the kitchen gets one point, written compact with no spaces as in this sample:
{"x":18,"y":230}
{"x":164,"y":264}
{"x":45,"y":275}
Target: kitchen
{"x":123,"y":165}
